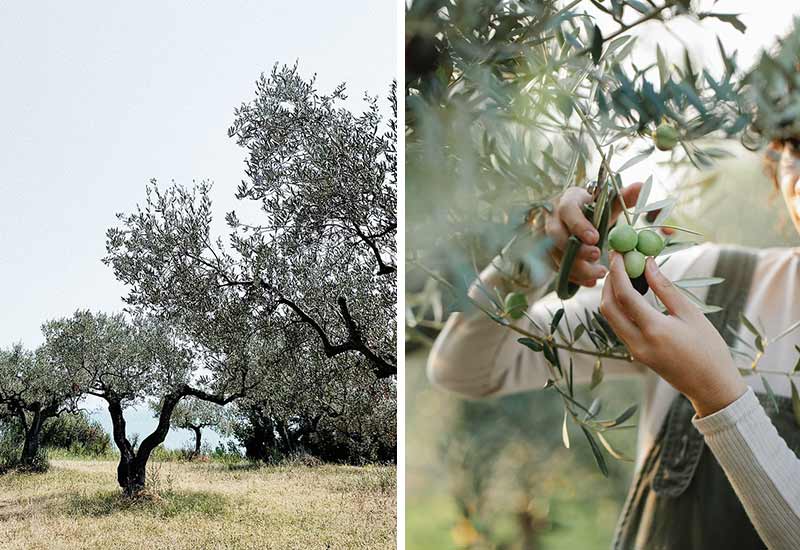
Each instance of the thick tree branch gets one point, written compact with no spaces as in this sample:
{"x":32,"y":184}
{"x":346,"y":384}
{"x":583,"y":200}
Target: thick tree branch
{"x":383,"y":268}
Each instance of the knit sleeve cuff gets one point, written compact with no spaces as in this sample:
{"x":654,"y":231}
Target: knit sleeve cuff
{"x":730,"y":416}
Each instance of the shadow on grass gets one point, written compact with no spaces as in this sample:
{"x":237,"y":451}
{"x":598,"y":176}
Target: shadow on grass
{"x":240,"y":466}
{"x":166,"y":505}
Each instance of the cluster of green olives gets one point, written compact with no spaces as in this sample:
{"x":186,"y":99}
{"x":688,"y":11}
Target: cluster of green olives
{"x":635,"y":246}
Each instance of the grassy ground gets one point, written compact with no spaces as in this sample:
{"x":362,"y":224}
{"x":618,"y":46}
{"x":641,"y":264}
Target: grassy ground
{"x":201,"y":506}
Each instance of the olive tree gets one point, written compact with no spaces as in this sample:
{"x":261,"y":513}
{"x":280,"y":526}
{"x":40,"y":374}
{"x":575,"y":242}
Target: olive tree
{"x":127,"y":360}
{"x":35,"y":387}
{"x":336,"y":411}
{"x":321,"y":252}
{"x":508,"y":104}
{"x":195,"y":415}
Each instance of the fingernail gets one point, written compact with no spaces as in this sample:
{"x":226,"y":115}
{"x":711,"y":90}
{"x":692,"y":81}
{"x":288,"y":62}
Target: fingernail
{"x":652,"y":265}
{"x":603,"y":271}
{"x":594,"y":254}
{"x":589,"y":235}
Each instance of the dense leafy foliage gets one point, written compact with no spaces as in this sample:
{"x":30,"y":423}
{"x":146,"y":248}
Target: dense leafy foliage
{"x":322,"y":252}
{"x":35,"y":387}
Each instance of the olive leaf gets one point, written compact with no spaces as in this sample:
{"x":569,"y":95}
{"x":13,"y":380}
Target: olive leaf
{"x":611,"y":450}
{"x":597,"y":374}
{"x":730,"y":18}
{"x":596,"y":48}
{"x":564,"y":431}
{"x":770,"y":393}
{"x":749,"y":325}
{"x":598,"y":453}
{"x":531,"y":343}
{"x":797,"y":365}
{"x":698,"y":282}
{"x":658,"y":205}
{"x":702,"y":306}
{"x":795,"y":403}
{"x":636,"y":159}
{"x":556,"y":319}
{"x":579,"y":331}
{"x":786,"y":331}
{"x":623,"y":417}
{"x":644,"y":194}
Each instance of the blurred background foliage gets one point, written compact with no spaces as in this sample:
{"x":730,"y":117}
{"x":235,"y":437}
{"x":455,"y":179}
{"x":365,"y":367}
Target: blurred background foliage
{"x":488,"y":136}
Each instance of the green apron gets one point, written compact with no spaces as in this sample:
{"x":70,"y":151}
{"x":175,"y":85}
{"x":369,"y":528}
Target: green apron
{"x":681,"y":498}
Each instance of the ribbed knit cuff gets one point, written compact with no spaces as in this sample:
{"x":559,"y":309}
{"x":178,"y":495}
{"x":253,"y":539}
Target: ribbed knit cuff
{"x":730,"y":416}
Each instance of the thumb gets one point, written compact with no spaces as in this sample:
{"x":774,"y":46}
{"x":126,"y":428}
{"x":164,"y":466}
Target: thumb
{"x":630,"y":195}
{"x":675,"y":302}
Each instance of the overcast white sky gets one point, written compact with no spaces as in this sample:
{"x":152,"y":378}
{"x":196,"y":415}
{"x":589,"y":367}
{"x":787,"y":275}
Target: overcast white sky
{"x":98,"y":97}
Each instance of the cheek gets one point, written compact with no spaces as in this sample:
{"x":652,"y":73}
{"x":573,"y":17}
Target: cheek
{"x":791,"y":197}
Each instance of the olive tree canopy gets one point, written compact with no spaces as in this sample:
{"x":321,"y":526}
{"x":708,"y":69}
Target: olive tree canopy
{"x":34,"y":387}
{"x":322,"y":252}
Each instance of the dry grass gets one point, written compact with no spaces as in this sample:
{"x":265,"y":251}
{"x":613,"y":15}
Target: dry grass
{"x":77,"y":505}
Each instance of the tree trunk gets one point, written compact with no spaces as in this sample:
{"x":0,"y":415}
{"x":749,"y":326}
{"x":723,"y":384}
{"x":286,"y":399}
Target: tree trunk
{"x":30,"y":449}
{"x":132,"y":468}
{"x":128,"y":477}
{"x":197,"y":439}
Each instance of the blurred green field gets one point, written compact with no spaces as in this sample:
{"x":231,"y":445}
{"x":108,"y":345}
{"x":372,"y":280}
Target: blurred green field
{"x":570,"y":504}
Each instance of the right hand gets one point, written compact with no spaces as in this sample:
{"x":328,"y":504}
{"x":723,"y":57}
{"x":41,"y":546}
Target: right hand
{"x":568,"y":219}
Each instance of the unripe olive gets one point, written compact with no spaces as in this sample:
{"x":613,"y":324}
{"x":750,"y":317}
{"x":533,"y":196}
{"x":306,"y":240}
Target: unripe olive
{"x":665,"y":137}
{"x":650,"y":243}
{"x":516,"y":304}
{"x":622,"y":238}
{"x":634,"y":263}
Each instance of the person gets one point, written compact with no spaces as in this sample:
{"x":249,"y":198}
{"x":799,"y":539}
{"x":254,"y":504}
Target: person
{"x":717,"y":452}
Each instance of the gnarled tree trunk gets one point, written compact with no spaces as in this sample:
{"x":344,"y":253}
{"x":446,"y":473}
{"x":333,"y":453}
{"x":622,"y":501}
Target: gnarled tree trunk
{"x":33,"y":433}
{"x":132,"y":468}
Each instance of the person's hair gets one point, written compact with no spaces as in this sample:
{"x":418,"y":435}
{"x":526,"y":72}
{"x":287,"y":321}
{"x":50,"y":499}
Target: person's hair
{"x":772,"y":157}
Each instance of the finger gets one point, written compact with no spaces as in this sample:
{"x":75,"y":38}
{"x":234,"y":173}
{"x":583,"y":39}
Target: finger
{"x":630,"y":195}
{"x":675,"y":302}
{"x":623,"y":326}
{"x":554,"y":229}
{"x":589,"y":253}
{"x":570,"y":212}
{"x":583,"y":271}
{"x":632,"y":304}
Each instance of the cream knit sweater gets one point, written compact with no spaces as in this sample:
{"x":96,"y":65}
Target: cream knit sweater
{"x":476,"y":357}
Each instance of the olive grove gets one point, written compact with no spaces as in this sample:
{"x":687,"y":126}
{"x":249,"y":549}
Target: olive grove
{"x":281,"y":332}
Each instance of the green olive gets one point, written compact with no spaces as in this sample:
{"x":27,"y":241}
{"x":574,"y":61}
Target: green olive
{"x":634,"y":263}
{"x":650,"y":243}
{"x":622,"y":238}
{"x":665,"y":137}
{"x":516,"y":304}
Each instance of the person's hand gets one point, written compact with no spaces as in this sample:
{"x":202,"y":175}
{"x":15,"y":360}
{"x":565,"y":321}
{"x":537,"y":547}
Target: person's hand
{"x":568,"y":219}
{"x":683,"y":347}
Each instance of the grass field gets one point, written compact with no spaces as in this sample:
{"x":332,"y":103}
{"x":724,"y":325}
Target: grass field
{"x":77,"y":505}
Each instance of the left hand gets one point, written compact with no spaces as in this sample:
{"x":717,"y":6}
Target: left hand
{"x":683,"y":347}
